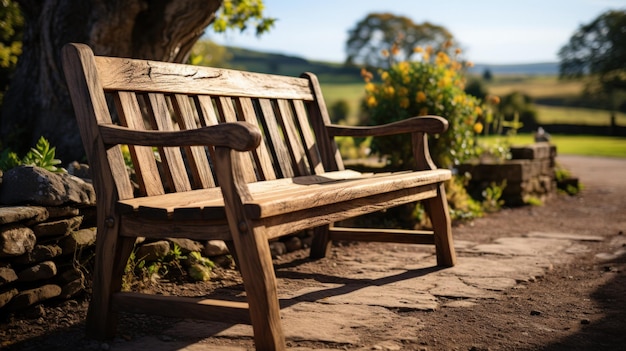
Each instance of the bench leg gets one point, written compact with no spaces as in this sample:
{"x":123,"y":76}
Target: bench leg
{"x":437,"y":209}
{"x":257,"y":270}
{"x":112,"y":253}
{"x":321,"y":244}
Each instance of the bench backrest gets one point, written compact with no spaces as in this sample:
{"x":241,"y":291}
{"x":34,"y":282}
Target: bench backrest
{"x":149,"y":95}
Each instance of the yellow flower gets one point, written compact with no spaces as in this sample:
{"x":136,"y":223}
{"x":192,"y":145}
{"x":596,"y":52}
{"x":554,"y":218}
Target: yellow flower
{"x":420,"y":97}
{"x":458,"y":51}
{"x":385,"y":75}
{"x":478,"y":110}
{"x":370,"y":87}
{"x":418,"y":49}
{"x":371,"y":101}
{"x":478,"y":128}
{"x":423,"y":111}
{"x":442,"y":59}
{"x":390,"y":90}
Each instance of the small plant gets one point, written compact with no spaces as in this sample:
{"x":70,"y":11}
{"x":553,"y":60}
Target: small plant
{"x":42,"y":155}
{"x":492,"y":195}
{"x":139,"y":272}
{"x":565,"y":182}
{"x":533,"y":201}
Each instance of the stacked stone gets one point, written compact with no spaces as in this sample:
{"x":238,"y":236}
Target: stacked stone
{"x":529,"y":174}
{"x":47,"y":235}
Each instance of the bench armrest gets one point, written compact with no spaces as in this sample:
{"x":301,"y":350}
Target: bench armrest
{"x":240,"y":136}
{"x":423,"y":124}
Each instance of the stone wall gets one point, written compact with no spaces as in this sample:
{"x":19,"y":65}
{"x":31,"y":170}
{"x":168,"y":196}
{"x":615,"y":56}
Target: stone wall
{"x":47,"y":236}
{"x":529,"y":174}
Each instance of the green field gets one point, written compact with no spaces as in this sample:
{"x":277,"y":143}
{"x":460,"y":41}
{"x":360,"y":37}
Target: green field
{"x":585,"y":145}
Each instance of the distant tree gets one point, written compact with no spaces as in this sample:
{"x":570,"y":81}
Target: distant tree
{"x":598,"y":50}
{"x":339,"y":110}
{"x":487,"y":75}
{"x":477,"y":88}
{"x":380,"y":36}
{"x":37,"y":102}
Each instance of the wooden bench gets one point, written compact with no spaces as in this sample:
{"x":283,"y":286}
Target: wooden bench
{"x":233,"y":155}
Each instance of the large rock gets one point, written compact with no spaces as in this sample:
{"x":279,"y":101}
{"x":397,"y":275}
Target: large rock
{"x":60,"y":228}
{"x":78,"y":240}
{"x":187,"y":245}
{"x":30,"y":297}
{"x":35,"y":185}
{"x":215,"y":248}
{"x":15,"y":214}
{"x":39,"y":254}
{"x":153,"y":251}
{"x":16,"y":240}
{"x":40,"y":271}
{"x":6,"y":296}
{"x":7,"y":275}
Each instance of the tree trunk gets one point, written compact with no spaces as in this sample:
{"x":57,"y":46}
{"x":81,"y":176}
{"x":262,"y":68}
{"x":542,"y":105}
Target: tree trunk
{"x":37,"y":102}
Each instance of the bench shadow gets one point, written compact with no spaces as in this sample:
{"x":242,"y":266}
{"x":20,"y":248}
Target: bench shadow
{"x":73,"y":337}
{"x":608,"y":333}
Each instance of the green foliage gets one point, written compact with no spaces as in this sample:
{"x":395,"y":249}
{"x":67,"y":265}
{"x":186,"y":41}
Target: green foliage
{"x":492,"y":197}
{"x":208,"y":53}
{"x":431,"y":86}
{"x":462,"y":205}
{"x":565,"y":182}
{"x":378,"y":33}
{"x":339,"y":111}
{"x":240,"y":14}
{"x":11,"y":26}
{"x":42,"y":155}
{"x":598,"y":49}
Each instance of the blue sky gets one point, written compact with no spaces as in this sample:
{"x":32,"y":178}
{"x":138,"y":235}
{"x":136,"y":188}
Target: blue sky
{"x":489,"y":31}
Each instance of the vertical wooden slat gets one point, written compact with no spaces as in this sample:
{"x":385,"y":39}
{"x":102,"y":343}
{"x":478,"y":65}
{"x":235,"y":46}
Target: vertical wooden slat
{"x":171,"y":157}
{"x":308,"y":138}
{"x":143,"y":157}
{"x":276,"y":142}
{"x":292,"y":137}
{"x":319,"y":119}
{"x":208,"y":117}
{"x":196,"y":155}
{"x":261,"y":155}
{"x":225,"y":105}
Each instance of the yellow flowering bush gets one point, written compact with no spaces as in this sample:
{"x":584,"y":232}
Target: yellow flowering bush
{"x":431,"y":86}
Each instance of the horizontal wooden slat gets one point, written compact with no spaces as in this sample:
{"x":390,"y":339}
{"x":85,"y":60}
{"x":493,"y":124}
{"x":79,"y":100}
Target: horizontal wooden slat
{"x":382,"y":235}
{"x":296,"y":199}
{"x":135,"y":226}
{"x":160,"y":77}
{"x":165,"y":206}
{"x":183,"y":307}
{"x":280,"y":196}
{"x":292,"y":222}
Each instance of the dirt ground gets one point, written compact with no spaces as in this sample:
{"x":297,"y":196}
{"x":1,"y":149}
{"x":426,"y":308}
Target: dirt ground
{"x":579,"y":305}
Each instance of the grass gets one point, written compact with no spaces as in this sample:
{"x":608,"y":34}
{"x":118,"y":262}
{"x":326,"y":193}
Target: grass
{"x":585,"y":145}
{"x":539,"y":87}
{"x":576,"y":115}
{"x":535,"y":86}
